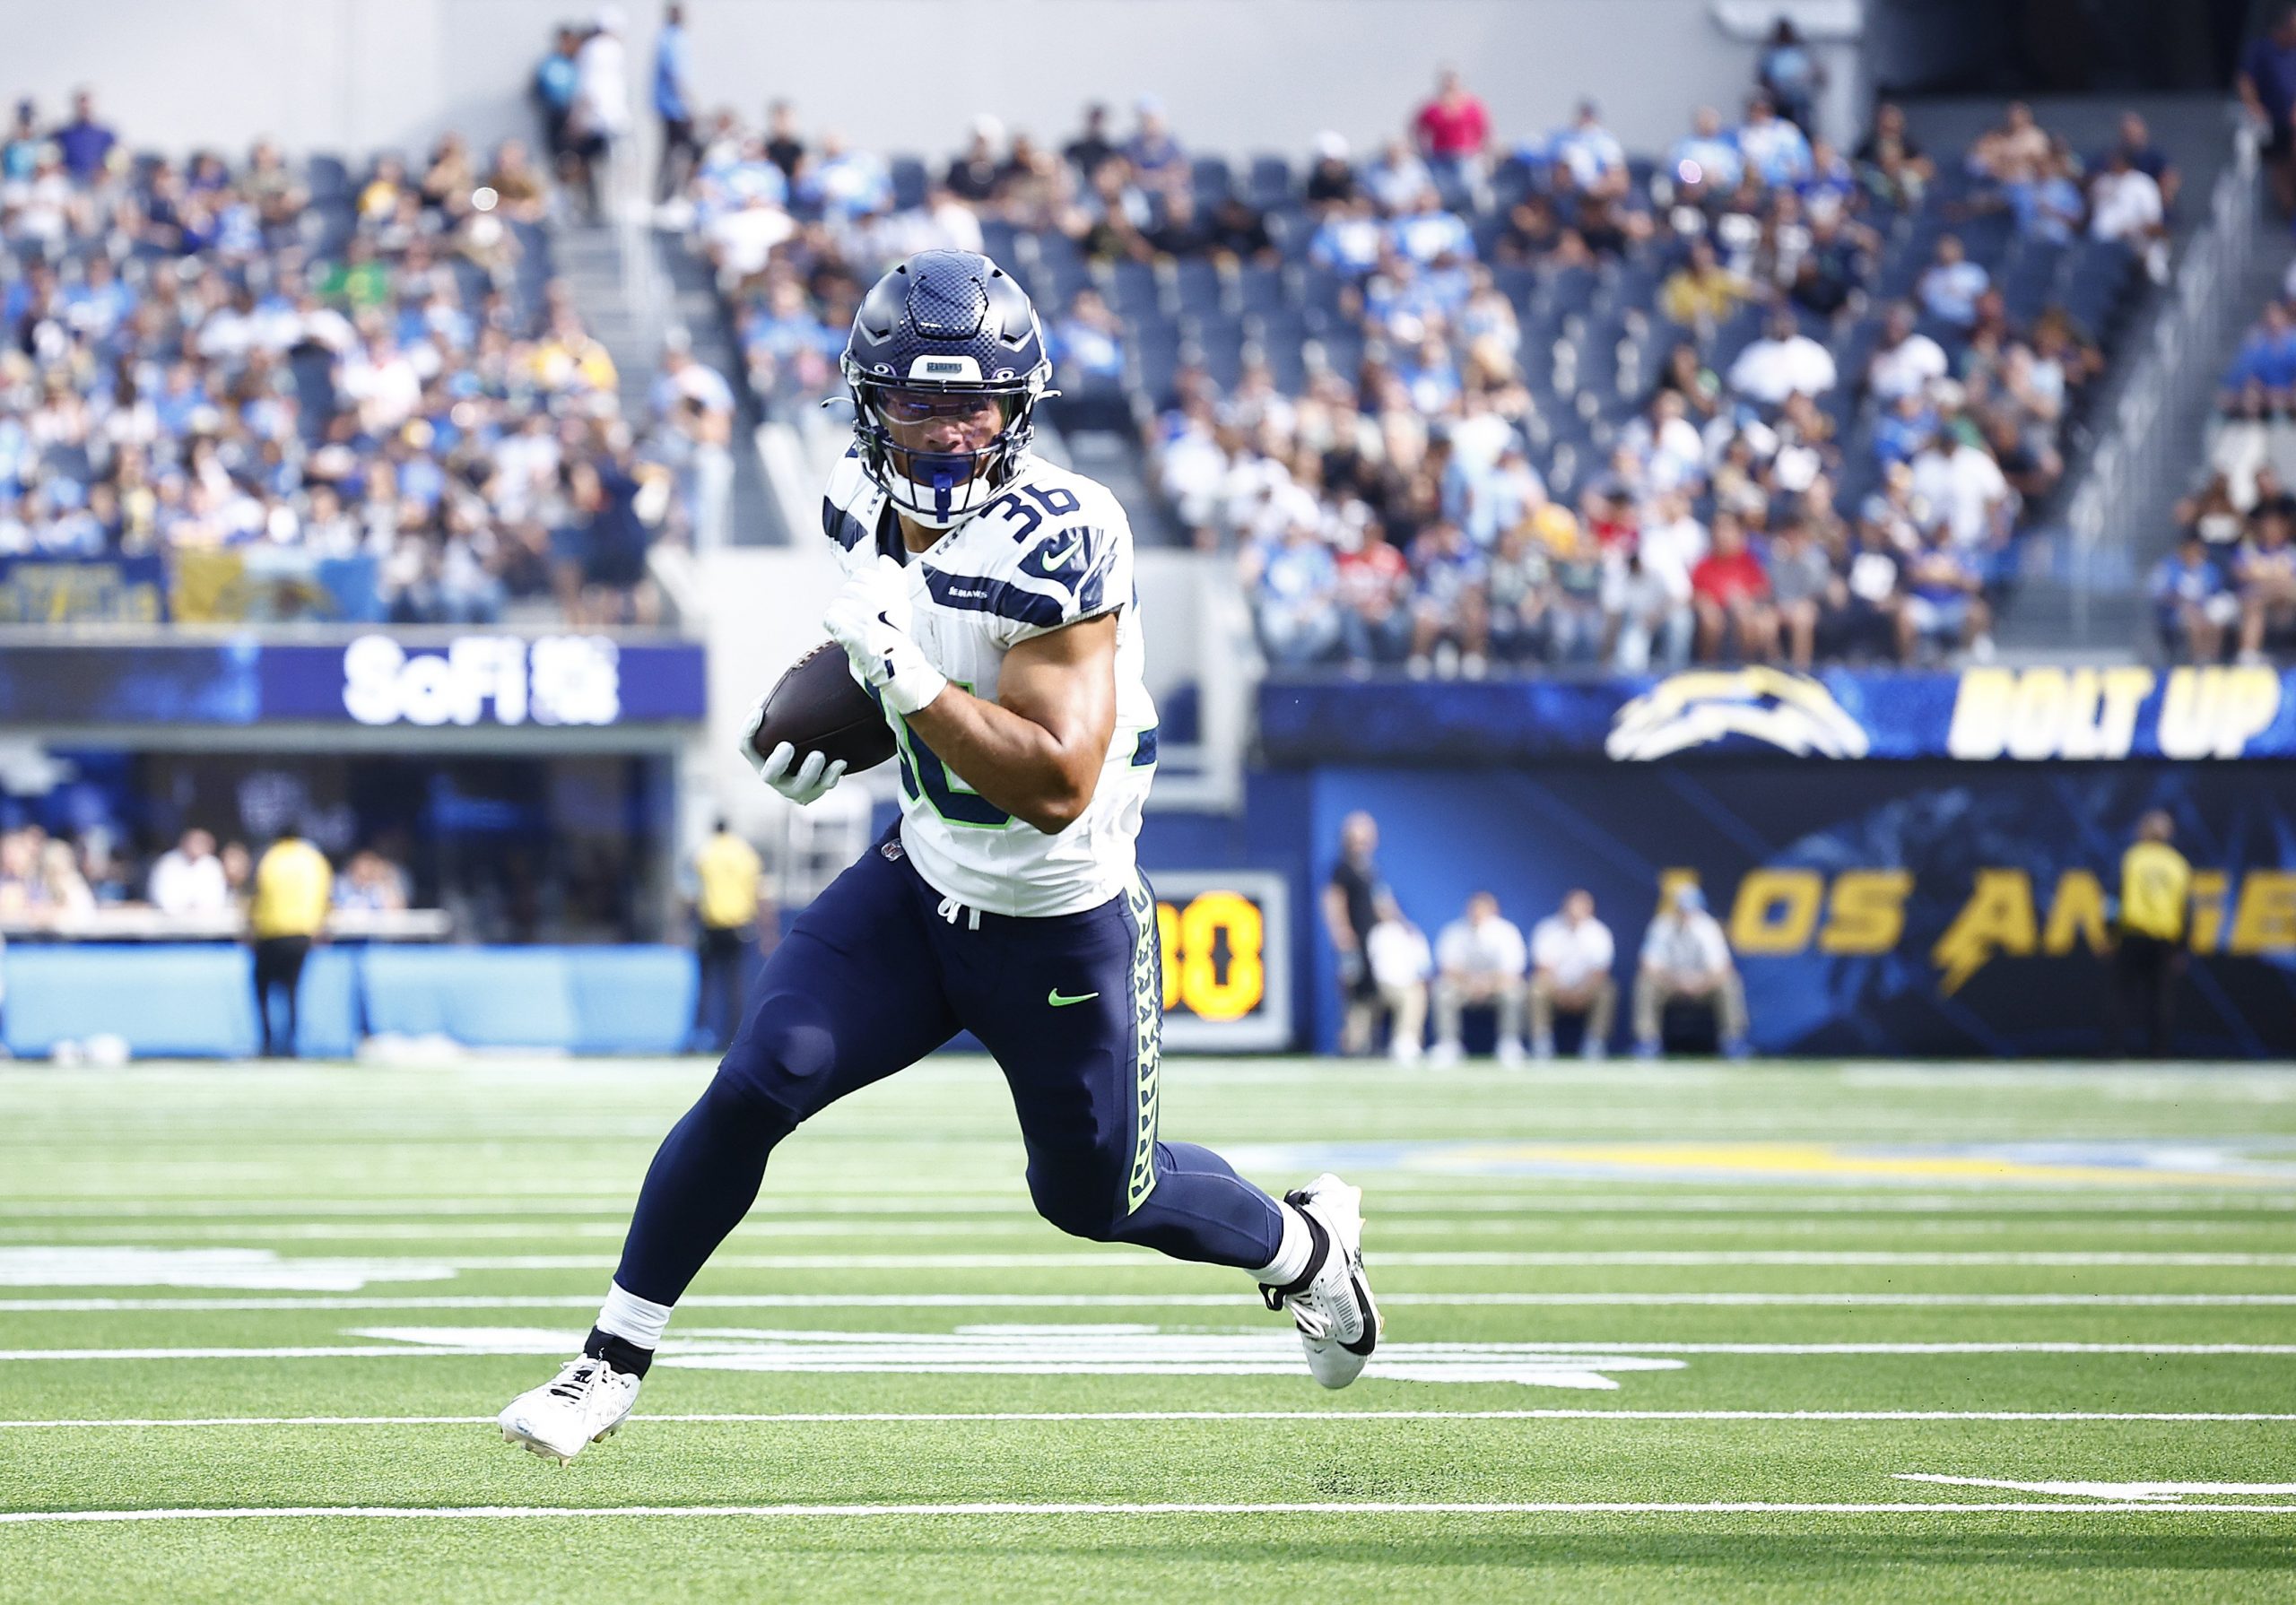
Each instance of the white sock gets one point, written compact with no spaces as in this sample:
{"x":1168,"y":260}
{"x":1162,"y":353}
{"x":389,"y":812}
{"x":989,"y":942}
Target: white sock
{"x":632,"y":1319}
{"x":1291,"y":1260}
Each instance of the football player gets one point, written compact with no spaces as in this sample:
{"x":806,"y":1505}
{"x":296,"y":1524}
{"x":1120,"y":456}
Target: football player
{"x":988,"y":608}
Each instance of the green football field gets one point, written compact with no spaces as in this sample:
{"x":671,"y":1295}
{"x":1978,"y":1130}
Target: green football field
{"x":1819,"y":1332}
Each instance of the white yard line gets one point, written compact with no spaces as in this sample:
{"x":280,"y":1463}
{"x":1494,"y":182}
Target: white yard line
{"x":1320,"y":1416}
{"x":1021,"y":1508}
{"x":939,"y":1301}
{"x":467,"y":1350}
{"x":1105,"y":1260}
{"x":1387,"y":1197}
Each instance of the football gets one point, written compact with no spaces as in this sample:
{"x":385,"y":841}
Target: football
{"x":818,"y":706}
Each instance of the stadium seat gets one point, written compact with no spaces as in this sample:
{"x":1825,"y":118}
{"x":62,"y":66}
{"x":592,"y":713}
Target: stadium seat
{"x":1134,"y":288}
{"x":910,"y":182}
{"x":1271,"y":183}
{"x":1262,"y":289}
{"x":1215,"y":180}
{"x":1199,"y":285}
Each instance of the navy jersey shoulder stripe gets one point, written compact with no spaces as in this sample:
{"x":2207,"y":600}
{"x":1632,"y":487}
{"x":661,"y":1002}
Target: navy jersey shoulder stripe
{"x":1001,"y":598}
{"x":841,"y":527}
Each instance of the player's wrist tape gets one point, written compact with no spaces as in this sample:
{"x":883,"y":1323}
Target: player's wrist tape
{"x":914,"y":682}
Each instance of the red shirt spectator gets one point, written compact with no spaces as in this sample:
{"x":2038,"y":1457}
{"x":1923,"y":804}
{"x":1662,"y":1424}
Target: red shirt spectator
{"x":1454,"y":124}
{"x":1726,"y":579}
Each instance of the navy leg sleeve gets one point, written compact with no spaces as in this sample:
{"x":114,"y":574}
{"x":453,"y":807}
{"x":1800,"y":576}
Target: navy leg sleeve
{"x":1072,"y":1009}
{"x":852,"y":994}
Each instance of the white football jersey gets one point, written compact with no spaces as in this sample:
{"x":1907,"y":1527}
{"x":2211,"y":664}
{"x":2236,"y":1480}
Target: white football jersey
{"x":1051,"y":549}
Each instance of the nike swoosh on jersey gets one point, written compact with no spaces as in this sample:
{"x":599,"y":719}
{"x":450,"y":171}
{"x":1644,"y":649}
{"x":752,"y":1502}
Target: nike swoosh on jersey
{"x":1057,"y":1001}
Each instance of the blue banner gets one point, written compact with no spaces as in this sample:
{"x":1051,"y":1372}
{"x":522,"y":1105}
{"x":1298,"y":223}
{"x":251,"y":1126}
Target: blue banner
{"x":2051,"y":712}
{"x":38,"y":590}
{"x":559,"y":680}
{"x":1918,"y":908}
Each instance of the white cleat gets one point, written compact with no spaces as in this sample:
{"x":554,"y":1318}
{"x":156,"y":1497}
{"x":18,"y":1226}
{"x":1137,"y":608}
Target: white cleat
{"x":587,"y":1402}
{"x":1331,"y":1305}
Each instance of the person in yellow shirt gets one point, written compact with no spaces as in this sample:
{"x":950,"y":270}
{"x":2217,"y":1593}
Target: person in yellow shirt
{"x":728,"y":876}
{"x":294,"y":886}
{"x":1701,"y":290}
{"x":2155,"y":890}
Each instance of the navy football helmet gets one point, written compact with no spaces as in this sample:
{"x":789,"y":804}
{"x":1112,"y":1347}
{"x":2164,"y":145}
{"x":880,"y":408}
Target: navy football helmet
{"x":939,"y":334}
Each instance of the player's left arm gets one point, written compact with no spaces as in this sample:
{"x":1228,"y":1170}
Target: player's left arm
{"x":1036,"y":751}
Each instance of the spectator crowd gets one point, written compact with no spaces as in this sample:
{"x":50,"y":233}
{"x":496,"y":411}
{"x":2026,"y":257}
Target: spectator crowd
{"x":363,"y":380}
{"x":1455,"y":405}
{"x":47,"y":881}
{"x":2227,"y":591}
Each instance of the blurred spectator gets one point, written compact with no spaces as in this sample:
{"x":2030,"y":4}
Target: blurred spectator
{"x":1297,"y":599}
{"x":1686,"y":959}
{"x":2267,"y":357}
{"x":1374,"y":588}
{"x":2267,"y":89}
{"x":1708,"y":155}
{"x":974,"y":172}
{"x":84,"y":144}
{"x":1156,"y":157}
{"x":2047,"y":203}
{"x":2149,"y":937}
{"x":1964,"y":490}
{"x":1480,"y":959}
{"x":1731,"y":596}
{"x":1351,"y":905}
{"x":2266,"y":573}
{"x":1791,"y":75}
{"x":728,"y":882}
{"x":2126,"y":205}
{"x":1783,"y":362}
{"x":2013,"y":151}
{"x":1453,"y":132}
{"x":1775,"y":150}
{"x":694,"y":407}
{"x":1591,"y":152}
{"x":599,"y":118}
{"x":1400,"y":962}
{"x":1800,"y":578}
{"x":2193,"y":603}
{"x":1331,"y":180}
{"x":2135,"y":144}
{"x":1905,"y":362}
{"x":1701,"y":290}
{"x":1944,"y":607}
{"x":673,"y":104}
{"x":187,"y":880}
{"x":1090,"y":150}
{"x":1949,"y":289}
{"x":59,"y":890}
{"x":556,"y":82}
{"x":1572,"y":954}
{"x":372,"y":884}
{"x":1450,"y":612}
{"x":1859,"y":616}
{"x":292,"y":887}
{"x":1890,"y":162}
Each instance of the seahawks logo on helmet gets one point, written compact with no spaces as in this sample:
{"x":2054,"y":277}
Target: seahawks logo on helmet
{"x":1791,"y":712}
{"x":939,"y":334}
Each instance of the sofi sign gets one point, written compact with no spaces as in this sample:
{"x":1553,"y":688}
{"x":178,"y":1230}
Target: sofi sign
{"x":474,"y":680}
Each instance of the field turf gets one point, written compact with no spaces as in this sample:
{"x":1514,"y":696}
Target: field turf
{"x":1818,"y":1332}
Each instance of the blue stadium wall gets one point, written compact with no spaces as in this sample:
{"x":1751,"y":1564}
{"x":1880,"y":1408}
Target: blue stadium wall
{"x":1920,"y":903}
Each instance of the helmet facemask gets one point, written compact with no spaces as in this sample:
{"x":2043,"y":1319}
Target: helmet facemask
{"x":940,"y":490}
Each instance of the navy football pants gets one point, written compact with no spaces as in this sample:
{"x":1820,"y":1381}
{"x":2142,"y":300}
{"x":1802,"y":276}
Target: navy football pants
{"x":871,"y":978}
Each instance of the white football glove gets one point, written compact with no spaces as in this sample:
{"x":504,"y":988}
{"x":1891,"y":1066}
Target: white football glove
{"x":801,"y":783}
{"x":870,"y":620}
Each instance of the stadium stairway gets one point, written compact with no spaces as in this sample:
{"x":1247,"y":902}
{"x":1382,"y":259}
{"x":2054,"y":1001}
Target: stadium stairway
{"x":629,"y":310}
{"x":2057,"y":615}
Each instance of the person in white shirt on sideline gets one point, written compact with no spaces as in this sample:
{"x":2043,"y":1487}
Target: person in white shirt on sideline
{"x":189,"y":878}
{"x":1571,"y":952}
{"x":1686,"y":958}
{"x":1397,"y":954}
{"x":1479,"y":964}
